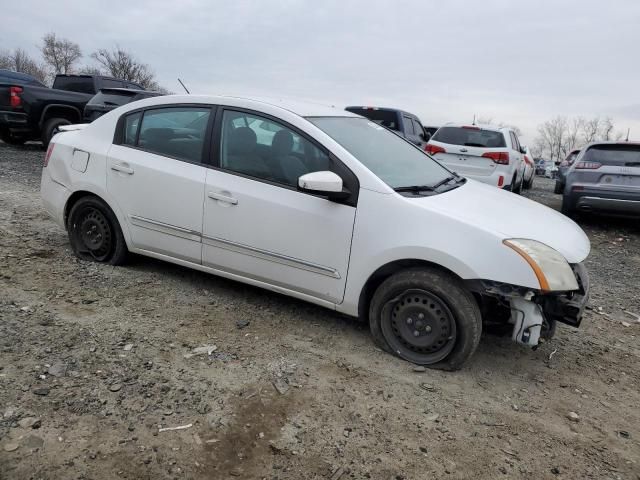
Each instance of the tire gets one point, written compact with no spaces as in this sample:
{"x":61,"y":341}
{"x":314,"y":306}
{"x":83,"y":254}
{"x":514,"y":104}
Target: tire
{"x":559,"y":187}
{"x":529,"y":183}
{"x":49,"y":127}
{"x":567,"y":209}
{"x":518,"y":189}
{"x":437,"y":306}
{"x":94,"y":232}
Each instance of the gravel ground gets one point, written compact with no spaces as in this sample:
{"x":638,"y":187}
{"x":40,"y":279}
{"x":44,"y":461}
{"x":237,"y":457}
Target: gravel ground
{"x":96,"y":361}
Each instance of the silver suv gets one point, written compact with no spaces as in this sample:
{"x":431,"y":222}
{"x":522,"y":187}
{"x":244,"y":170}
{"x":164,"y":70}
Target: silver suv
{"x":604,"y":178}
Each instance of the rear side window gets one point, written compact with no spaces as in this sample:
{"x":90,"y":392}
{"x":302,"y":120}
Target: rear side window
{"x":111,"y":99}
{"x":109,"y":83}
{"x":386,"y":118}
{"x":417,"y":128}
{"x":616,"y":154}
{"x":176,"y":132}
{"x":470,"y":137}
{"x":74,"y":84}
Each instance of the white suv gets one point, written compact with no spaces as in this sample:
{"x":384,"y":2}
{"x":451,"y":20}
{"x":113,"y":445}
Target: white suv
{"x":491,"y":155}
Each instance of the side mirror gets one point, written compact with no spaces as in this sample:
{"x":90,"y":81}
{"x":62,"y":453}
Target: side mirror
{"x":325,"y":183}
{"x":523,"y":150}
{"x":557,"y":164}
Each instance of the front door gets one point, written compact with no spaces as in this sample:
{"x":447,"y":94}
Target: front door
{"x":156,"y":176}
{"x":258,"y":225}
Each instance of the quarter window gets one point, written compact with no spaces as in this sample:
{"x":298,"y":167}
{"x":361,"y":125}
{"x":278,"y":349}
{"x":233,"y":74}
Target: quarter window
{"x":177,"y":132}
{"x":267,"y":150}
{"x":131,"y":124}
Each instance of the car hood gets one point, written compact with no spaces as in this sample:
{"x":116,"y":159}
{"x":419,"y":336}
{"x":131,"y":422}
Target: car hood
{"x":510,"y":216}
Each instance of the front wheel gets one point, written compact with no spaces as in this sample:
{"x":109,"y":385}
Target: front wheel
{"x":426,"y":316}
{"x":94,"y":232}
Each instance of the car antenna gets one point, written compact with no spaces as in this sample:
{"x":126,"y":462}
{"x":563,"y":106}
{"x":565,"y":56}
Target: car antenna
{"x":628,"y":131}
{"x":474,"y":119}
{"x":185,"y":88}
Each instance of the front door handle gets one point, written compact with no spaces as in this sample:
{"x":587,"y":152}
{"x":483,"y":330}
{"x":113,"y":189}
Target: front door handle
{"x":222,"y":198}
{"x":118,"y":167}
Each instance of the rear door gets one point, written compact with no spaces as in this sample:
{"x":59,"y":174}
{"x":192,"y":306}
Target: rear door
{"x":156,"y":175}
{"x":468,"y":150}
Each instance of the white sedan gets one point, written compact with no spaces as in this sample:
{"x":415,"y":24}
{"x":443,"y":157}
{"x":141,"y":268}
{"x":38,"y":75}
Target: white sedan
{"x":326,"y":206}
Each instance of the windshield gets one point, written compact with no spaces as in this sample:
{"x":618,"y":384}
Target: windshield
{"x":394,"y":160}
{"x":470,"y":137}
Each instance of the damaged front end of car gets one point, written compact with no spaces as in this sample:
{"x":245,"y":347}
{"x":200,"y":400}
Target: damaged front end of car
{"x":531,"y":315}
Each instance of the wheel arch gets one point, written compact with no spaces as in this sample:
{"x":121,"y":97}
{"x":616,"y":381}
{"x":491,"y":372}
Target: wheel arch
{"x":81,"y":193}
{"x":56,"y":110}
{"x":385,"y":271}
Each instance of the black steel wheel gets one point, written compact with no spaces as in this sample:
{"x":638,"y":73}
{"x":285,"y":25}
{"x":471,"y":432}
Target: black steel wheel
{"x":94,"y":232}
{"x":420,"y":325}
{"x":426,"y":316}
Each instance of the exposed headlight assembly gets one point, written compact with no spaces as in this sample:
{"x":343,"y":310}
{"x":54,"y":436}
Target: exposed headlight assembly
{"x":552,"y":270}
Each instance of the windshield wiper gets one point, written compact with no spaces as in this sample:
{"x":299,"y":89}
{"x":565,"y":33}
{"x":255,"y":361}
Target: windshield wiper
{"x":446,"y":180}
{"x":415,"y":188}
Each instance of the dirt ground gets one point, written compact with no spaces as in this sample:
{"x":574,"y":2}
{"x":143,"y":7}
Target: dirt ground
{"x":95,"y":361}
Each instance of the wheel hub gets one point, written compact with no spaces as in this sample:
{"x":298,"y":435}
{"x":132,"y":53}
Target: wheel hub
{"x":95,"y":233}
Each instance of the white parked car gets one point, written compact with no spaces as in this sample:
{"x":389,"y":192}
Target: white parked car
{"x":491,"y":155}
{"x":332,"y":208}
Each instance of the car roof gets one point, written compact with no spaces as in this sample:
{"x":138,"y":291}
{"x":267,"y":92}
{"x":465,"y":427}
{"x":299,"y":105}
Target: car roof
{"x":136,"y":91}
{"x":298,"y":107}
{"x":610,"y":142}
{"x":481,"y":126}
{"x":18,"y":75}
{"x":383,"y":109}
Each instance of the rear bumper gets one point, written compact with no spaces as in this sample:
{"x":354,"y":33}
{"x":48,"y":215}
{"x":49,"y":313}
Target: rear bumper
{"x":569,"y":308}
{"x":14,"y":122}
{"x":54,"y":197}
{"x":622,"y":202}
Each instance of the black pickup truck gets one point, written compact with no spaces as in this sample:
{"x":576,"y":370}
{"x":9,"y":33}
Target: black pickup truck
{"x":34,"y":112}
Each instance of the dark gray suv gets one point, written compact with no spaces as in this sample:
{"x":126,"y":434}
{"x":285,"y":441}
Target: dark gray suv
{"x":605,"y":178}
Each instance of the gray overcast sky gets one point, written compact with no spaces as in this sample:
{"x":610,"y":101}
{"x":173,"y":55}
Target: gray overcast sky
{"x":519,"y":62}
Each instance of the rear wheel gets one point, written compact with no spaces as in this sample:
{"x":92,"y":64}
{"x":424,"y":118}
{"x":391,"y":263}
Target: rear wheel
{"x":529,"y":183}
{"x":426,"y":316}
{"x":94,"y":232}
{"x":518,"y":185}
{"x":559,"y":187}
{"x":567,"y":209}
{"x":49,"y":128}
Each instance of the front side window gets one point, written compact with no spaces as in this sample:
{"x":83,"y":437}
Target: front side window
{"x":394,"y":160}
{"x":267,"y":150}
{"x":177,"y":132}
{"x":417,"y":128}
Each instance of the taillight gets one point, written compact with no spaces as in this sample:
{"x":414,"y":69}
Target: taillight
{"x":47,"y":155}
{"x":498,"y":157}
{"x":14,"y":96}
{"x":588,"y":165}
{"x":433,"y":149}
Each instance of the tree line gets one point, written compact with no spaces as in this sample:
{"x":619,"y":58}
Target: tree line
{"x":558,"y":136}
{"x":63,"y":56}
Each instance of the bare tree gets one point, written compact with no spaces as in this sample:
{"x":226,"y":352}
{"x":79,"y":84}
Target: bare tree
{"x":590,"y":129}
{"x":19,"y":60}
{"x":59,"y":53}
{"x":89,"y":70}
{"x":121,"y":64}
{"x":572,"y":135}
{"x":552,"y":136}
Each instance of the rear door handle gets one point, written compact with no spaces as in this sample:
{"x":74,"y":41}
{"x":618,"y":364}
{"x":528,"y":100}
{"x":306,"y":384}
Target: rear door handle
{"x":222,"y":198}
{"x":118,"y":167}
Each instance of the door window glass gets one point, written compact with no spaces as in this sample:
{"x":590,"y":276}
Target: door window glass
{"x":262,"y":148}
{"x":131,"y":123}
{"x":177,"y":132}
